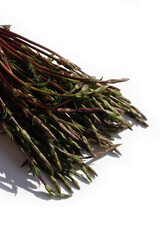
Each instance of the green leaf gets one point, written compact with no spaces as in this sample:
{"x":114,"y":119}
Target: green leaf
{"x":35,"y":170}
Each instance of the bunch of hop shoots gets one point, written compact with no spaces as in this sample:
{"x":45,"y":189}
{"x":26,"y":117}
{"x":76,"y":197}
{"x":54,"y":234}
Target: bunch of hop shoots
{"x":57,"y":114}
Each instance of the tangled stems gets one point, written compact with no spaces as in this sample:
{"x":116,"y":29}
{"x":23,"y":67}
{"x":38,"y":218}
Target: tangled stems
{"x":55,"y":112}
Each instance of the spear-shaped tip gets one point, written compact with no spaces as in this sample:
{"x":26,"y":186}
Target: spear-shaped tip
{"x":112,"y":81}
{"x":6,"y":26}
{"x":52,"y":192}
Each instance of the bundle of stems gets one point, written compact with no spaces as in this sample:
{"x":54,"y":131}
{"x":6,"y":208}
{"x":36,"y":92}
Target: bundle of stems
{"x":56,"y":113}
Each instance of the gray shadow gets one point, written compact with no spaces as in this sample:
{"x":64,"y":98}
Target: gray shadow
{"x":13,"y":176}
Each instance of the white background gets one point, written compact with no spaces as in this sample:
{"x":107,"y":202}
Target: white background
{"x":113,"y":38}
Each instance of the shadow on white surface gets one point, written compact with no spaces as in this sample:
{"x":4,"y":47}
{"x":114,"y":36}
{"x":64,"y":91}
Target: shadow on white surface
{"x":12,"y":176}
